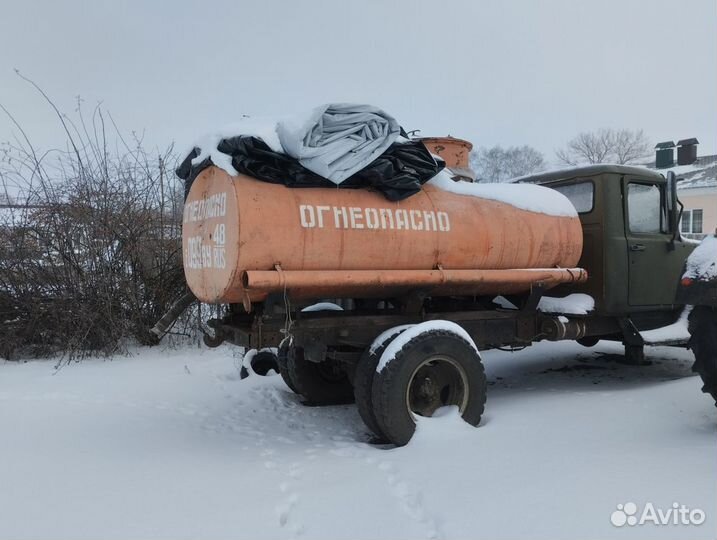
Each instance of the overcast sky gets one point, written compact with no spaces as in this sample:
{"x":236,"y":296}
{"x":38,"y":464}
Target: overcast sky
{"x":506,"y":72}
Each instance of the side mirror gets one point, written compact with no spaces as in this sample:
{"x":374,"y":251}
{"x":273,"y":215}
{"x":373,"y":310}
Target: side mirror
{"x":674,"y":207}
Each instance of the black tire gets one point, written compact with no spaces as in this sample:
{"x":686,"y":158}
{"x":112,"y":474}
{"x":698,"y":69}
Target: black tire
{"x":263,"y":362}
{"x":323,"y":383}
{"x":459,"y":372}
{"x":363,"y":382}
{"x":703,"y":342}
{"x":589,"y":341}
{"x":282,"y":361}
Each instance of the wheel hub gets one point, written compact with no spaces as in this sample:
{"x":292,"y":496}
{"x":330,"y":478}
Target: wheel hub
{"x":439,"y":381}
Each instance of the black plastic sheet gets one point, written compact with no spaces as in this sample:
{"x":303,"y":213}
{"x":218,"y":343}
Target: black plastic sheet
{"x":397,"y":173}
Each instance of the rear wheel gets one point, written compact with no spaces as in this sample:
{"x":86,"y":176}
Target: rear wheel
{"x":703,"y":342}
{"x":321,"y":383}
{"x":435,"y":369}
{"x":363,"y":381}
{"x":282,"y":360}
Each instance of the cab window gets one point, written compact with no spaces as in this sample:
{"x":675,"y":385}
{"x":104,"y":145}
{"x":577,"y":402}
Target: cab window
{"x":581,"y":194}
{"x":645,"y":209}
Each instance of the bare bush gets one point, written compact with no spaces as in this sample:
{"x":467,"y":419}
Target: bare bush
{"x":90,"y":249}
{"x":621,"y":146}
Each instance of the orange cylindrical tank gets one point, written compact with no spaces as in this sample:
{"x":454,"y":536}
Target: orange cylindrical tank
{"x":236,"y":225}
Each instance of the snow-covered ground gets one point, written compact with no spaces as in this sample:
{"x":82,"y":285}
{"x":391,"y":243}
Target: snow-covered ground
{"x":172,"y":444}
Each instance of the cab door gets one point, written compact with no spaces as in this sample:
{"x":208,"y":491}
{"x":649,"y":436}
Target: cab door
{"x":654,"y":265}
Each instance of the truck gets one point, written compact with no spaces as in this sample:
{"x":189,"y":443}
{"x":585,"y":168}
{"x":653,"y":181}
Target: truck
{"x":395,"y":320}
{"x":698,"y":288}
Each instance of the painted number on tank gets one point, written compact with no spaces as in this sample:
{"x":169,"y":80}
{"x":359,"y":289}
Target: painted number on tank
{"x":219,"y":238}
{"x":198,"y":255}
{"x":219,"y":235}
{"x":202,"y":254}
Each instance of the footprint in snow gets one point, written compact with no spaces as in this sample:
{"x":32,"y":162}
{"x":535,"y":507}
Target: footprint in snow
{"x":410,"y":499}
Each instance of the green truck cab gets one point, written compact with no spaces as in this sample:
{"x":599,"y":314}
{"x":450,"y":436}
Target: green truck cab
{"x":632,"y":248}
{"x":636,"y":258}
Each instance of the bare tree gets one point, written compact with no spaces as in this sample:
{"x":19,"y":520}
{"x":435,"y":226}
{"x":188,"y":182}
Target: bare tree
{"x":605,"y":146}
{"x":629,"y":146}
{"x":498,"y":164}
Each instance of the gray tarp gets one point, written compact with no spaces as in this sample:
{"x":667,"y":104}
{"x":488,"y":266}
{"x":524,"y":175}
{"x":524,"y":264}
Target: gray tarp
{"x":338,"y":139}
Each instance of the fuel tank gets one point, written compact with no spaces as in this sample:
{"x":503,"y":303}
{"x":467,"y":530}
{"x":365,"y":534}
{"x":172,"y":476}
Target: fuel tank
{"x":243,"y":239}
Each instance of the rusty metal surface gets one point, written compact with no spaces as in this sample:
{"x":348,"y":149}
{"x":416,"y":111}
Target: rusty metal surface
{"x":455,"y":152}
{"x":320,"y":283}
{"x":235,"y":225}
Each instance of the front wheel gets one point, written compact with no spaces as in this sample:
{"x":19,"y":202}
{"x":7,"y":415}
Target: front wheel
{"x":703,"y":342}
{"x":423,"y":372}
